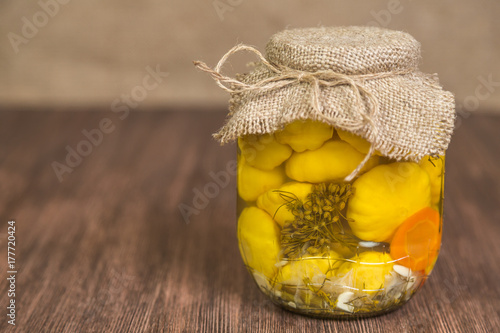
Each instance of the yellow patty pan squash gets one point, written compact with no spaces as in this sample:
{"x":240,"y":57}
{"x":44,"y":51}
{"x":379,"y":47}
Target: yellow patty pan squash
{"x":356,"y":141}
{"x":263,"y":151}
{"x":259,"y":241}
{"x":273,"y":201}
{"x":367,"y":271}
{"x":332,"y":162}
{"x":314,"y":268}
{"x":434,"y":166}
{"x":385,"y":197}
{"x":252,"y":182}
{"x":302,"y":135}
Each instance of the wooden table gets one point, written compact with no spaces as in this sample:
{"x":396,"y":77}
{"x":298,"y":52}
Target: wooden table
{"x":107,"y":249}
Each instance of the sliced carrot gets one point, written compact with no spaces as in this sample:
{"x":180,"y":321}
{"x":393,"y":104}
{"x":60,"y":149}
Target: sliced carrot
{"x":416,"y":242}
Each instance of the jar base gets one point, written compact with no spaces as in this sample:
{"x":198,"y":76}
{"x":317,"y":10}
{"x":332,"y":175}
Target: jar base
{"x":340,"y":315}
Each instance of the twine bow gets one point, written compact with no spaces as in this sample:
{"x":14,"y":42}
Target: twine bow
{"x":285,"y":76}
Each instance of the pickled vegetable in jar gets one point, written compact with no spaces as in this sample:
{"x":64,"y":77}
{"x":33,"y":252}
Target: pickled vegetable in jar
{"x":332,"y":247}
{"x":341,"y":153}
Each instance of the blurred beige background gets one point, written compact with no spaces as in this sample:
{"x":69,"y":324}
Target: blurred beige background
{"x":88,"y":53}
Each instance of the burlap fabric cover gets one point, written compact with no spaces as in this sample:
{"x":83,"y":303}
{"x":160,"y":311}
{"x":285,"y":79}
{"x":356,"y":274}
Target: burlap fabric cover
{"x":361,"y":79}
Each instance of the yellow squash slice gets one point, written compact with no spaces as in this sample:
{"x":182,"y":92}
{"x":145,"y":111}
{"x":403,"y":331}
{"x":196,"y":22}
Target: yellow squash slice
{"x":332,"y":162}
{"x":263,"y":151}
{"x":434,"y":167}
{"x":367,"y":271}
{"x":259,"y":241}
{"x":274,"y":201}
{"x":314,"y":268}
{"x":385,"y":197}
{"x":305,"y":135}
{"x":252,"y":182}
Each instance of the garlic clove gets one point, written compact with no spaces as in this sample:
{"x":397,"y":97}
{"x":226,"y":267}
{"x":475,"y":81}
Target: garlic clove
{"x":343,"y":299}
{"x":402,"y":270}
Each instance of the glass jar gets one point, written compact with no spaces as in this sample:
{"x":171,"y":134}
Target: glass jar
{"x":321,"y":246}
{"x":340,"y":167}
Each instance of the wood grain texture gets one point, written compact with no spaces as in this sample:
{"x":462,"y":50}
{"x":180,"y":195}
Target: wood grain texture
{"x":107,"y":250}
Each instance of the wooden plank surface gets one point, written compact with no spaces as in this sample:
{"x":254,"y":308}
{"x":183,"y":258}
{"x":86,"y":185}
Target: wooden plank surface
{"x":107,"y":250}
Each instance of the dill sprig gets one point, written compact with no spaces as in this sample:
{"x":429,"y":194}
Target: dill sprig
{"x":318,"y":221}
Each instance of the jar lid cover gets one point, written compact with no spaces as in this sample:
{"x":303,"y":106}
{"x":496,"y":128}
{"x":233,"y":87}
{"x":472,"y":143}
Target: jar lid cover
{"x":347,"y":50}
